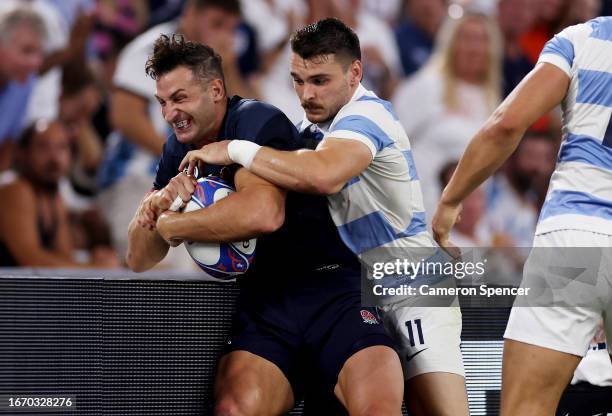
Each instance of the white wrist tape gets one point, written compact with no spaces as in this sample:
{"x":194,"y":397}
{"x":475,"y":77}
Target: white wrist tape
{"x":242,"y":152}
{"x":176,"y":204}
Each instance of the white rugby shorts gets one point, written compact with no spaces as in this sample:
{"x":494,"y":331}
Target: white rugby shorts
{"x":428,"y":338}
{"x":566,"y":328}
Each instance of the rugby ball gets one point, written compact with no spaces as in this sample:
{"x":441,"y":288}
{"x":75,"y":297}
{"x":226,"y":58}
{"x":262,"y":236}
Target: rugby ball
{"x":220,"y":261}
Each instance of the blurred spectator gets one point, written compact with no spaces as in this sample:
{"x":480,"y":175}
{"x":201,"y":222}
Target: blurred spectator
{"x":580,"y":11}
{"x":552,"y":16}
{"x":78,"y":102}
{"x":71,"y":9}
{"x":247,"y":58}
{"x":514,"y":196}
{"x":34,"y":226}
{"x":127,"y":16}
{"x":416,"y":31}
{"x":387,"y":10}
{"x":472,"y":235}
{"x":515,"y":17}
{"x":133,"y":149}
{"x":443,"y":104}
{"x":381,"y":63}
{"x":274,"y":21}
{"x":548,"y":16}
{"x":271,"y":21}
{"x":71,"y":40}
{"x":68,"y":26}
{"x":468,"y":231}
{"x":246,"y":41}
{"x":161,"y":11}
{"x":380,"y":56}
{"x":21,"y":53}
{"x":108,"y":44}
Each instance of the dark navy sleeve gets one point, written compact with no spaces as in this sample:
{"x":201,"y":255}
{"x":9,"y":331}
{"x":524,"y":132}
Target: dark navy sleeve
{"x":162,"y":174}
{"x":250,"y":120}
{"x":279,"y":133}
{"x":267,"y":126}
{"x":172,"y":155}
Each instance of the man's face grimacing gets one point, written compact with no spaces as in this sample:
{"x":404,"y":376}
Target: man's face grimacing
{"x":188,"y":104}
{"x":324,"y":84}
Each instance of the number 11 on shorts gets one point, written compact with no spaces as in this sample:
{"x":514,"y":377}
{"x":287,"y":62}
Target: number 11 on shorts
{"x":419,"y":330}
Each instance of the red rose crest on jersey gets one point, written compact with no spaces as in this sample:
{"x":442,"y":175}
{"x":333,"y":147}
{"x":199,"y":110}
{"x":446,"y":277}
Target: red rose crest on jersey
{"x":368,"y":317}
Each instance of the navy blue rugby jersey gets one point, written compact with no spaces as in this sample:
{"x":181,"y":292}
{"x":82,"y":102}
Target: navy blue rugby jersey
{"x":308,"y":240}
{"x":244,"y":119}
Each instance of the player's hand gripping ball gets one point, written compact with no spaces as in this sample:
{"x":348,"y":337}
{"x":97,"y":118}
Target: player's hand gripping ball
{"x":221,"y":261}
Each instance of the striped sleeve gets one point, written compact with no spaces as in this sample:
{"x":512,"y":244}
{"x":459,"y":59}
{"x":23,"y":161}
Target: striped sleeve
{"x":560,"y":50}
{"x":368,"y":123}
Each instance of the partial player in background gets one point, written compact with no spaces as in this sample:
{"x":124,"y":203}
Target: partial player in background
{"x":590,"y":392}
{"x":34,"y":225}
{"x":544,"y":345}
{"x":363,"y":163}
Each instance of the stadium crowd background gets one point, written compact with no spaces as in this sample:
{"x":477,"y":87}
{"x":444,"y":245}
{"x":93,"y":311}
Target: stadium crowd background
{"x":444,"y":65}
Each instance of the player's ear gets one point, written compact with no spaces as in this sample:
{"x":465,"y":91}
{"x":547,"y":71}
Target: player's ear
{"x":217,"y":89}
{"x":355,"y":72}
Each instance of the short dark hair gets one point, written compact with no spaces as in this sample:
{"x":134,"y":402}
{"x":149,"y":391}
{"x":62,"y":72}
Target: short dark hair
{"x":327,"y":36}
{"x":26,"y":136}
{"x":230,"y":6}
{"x":76,"y":76}
{"x":172,"y":52}
{"x":35,"y":128}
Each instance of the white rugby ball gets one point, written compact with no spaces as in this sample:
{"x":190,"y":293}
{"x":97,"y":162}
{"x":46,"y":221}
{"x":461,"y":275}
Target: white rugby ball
{"x":220,"y":261}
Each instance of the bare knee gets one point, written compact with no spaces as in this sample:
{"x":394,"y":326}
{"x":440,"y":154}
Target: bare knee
{"x":371,"y":382}
{"x":244,"y":404}
{"x":373,"y":405}
{"x":250,"y":385}
{"x":375,"y":409}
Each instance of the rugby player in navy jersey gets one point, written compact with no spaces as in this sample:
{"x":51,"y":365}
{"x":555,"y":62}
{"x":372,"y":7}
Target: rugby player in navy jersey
{"x":363,"y":163}
{"x":300,"y":302}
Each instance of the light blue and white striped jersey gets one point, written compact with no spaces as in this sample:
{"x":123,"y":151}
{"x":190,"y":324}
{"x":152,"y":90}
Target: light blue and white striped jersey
{"x":383,"y":205}
{"x":580,"y":191}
